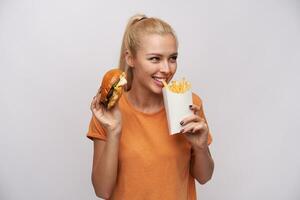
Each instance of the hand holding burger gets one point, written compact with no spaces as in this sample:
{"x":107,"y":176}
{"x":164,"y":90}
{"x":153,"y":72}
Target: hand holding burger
{"x":104,"y":105}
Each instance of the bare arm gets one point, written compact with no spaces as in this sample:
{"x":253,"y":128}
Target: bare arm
{"x":105,"y":165}
{"x":105,"y":161}
{"x":202,"y":165}
{"x":196,"y":131}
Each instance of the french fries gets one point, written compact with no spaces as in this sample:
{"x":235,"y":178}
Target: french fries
{"x":178,"y":86}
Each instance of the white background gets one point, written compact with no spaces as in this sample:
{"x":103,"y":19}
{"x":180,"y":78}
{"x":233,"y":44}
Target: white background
{"x":242,"y":57}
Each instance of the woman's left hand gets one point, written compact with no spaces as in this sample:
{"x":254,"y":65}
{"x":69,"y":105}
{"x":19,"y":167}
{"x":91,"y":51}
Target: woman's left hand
{"x":195,"y":129}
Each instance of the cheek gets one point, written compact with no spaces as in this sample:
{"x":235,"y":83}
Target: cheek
{"x":143,"y":69}
{"x":173,"y":68}
{"x":147,"y":67}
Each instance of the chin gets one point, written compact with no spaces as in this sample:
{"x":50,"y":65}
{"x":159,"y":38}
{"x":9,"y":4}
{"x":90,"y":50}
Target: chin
{"x":157,"y":90}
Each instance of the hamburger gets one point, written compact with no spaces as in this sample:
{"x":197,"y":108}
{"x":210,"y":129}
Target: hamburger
{"x":112,"y":87}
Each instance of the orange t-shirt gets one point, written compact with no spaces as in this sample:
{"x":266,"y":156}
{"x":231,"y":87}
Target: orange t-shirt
{"x":152,"y":164}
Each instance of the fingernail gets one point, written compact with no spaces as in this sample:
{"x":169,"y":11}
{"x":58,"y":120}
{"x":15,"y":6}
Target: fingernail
{"x":181,"y":123}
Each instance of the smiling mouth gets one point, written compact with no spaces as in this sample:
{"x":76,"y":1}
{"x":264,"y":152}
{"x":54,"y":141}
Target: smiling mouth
{"x":160,"y":79}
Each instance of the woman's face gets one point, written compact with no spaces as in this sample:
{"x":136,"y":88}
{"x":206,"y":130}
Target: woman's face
{"x":154,"y":62}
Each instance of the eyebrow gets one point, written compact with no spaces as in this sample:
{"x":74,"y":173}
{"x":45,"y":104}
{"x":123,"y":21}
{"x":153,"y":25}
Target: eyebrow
{"x":157,"y":54}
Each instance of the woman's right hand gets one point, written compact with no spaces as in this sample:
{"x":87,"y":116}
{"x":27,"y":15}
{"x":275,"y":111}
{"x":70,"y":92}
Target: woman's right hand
{"x":111,"y":119}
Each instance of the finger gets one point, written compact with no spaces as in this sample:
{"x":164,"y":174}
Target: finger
{"x":98,"y":102}
{"x":99,"y":91}
{"x":100,"y":111}
{"x":195,"y":108}
{"x":194,"y":127}
{"x":92,"y":106}
{"x":201,"y":127}
{"x":190,"y":118}
{"x":98,"y":94}
{"x":115,"y":107}
{"x":188,"y":128}
{"x":197,"y":128}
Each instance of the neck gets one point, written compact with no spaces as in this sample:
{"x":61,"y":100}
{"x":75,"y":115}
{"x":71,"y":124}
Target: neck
{"x":144,"y":101}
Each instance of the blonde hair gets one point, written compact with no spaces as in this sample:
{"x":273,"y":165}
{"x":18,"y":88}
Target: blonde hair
{"x":137,"y":26}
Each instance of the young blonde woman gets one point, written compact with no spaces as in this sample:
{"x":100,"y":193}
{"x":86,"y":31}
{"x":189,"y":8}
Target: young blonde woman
{"x":134,"y":155}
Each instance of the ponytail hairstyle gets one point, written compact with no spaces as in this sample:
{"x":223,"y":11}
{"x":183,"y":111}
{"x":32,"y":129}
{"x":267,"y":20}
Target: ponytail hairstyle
{"x":137,"y":26}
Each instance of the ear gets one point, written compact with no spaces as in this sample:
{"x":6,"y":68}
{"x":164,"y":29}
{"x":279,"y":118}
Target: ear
{"x":129,"y":59}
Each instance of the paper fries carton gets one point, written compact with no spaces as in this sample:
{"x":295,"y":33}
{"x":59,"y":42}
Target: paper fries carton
{"x":177,"y":107}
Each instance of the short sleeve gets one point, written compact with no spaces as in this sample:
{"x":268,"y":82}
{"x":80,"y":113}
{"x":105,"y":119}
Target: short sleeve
{"x":96,"y":131}
{"x":197,"y":101}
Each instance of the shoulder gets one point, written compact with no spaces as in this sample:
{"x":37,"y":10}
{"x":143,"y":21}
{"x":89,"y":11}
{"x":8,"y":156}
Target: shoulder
{"x":196,"y":99}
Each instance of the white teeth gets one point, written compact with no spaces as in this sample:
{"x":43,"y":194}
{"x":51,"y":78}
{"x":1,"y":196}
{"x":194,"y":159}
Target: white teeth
{"x":159,"y":79}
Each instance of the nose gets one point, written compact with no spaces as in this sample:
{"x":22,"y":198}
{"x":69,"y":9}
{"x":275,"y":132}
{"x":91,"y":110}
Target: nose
{"x":165,"y":68}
